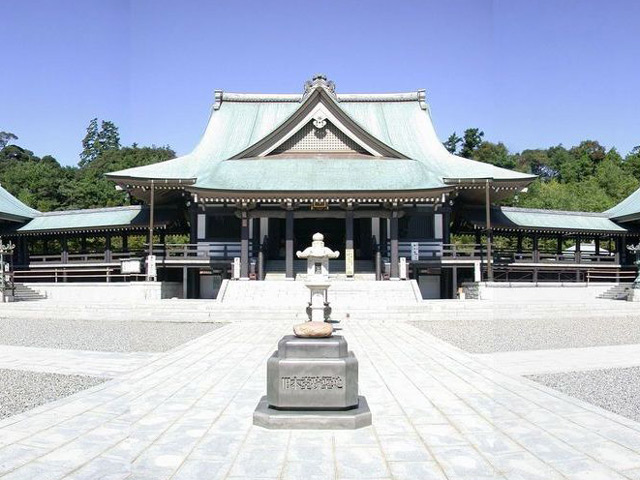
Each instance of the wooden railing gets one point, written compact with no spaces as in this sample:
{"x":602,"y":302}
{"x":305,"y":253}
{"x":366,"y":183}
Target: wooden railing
{"x":611,"y":275}
{"x":462,"y":251}
{"x":60,"y":275}
{"x":204,"y":250}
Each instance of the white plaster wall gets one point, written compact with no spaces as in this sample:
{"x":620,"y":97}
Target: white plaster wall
{"x":108,"y":292}
{"x":537,"y":292}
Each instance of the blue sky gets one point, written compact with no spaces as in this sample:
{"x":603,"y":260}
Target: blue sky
{"x":529,"y":73}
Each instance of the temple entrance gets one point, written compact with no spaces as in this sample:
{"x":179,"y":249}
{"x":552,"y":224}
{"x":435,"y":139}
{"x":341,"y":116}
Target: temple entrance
{"x":333,"y":230}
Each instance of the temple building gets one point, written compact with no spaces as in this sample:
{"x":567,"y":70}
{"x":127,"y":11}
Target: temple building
{"x":366,"y":170}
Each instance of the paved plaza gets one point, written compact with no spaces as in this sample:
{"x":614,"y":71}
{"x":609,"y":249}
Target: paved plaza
{"x":438,"y":413}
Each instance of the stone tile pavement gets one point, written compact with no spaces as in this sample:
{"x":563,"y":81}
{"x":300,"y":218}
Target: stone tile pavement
{"x":438,"y":413}
{"x":529,"y":362}
{"x":71,"y":362}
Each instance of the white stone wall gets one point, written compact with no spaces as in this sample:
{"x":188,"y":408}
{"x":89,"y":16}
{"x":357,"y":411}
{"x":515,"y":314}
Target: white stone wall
{"x":534,"y":292}
{"x":108,"y":292}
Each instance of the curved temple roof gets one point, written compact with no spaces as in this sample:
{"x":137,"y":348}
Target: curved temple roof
{"x":95,"y":219}
{"x":13,"y":209}
{"x":398,"y":122}
{"x":627,"y":210}
{"x":532,"y":219}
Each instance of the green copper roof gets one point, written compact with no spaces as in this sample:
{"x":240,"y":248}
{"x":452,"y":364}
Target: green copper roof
{"x":112,"y":218}
{"x":319,"y":174}
{"x":238,"y":121}
{"x":13,"y":209}
{"x":509,"y":218}
{"x":628,"y":209}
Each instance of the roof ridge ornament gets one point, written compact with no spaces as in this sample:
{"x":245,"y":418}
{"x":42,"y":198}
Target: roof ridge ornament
{"x":319,"y":80}
{"x":422,"y":98}
{"x":217,"y":99}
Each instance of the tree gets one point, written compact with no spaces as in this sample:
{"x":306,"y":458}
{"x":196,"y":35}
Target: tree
{"x":495,"y":154}
{"x":471,"y":141}
{"x":90,"y":145}
{"x":89,"y":188}
{"x":108,"y":137}
{"x":631,"y":163}
{"x":537,"y":162}
{"x":451,"y":144}
{"x":97,"y":141}
{"x":5,"y":138}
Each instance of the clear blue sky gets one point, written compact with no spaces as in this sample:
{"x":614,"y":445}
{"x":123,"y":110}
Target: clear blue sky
{"x":529,"y":73}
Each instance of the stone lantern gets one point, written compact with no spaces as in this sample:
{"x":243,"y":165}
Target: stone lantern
{"x":317,"y":256}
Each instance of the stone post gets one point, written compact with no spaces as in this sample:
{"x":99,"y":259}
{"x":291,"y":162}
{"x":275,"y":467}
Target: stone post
{"x":289,"y":244}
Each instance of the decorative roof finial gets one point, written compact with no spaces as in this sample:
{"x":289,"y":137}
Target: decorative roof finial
{"x":319,"y":80}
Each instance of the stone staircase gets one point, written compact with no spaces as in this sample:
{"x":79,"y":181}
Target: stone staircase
{"x":386,"y":308}
{"x":343,"y":295}
{"x":617,"y":292}
{"x":22,"y":293}
{"x":365,"y":270}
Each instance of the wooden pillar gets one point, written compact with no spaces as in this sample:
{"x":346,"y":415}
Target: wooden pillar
{"x":125,"y":243}
{"x":193,"y":223}
{"x":378,"y":262}
{"x":454,"y":282}
{"x":394,"y":257}
{"x":163,"y":242}
{"x":519,"y":243}
{"x":64,"y":244}
{"x":244,"y":246}
{"x":446,"y":225}
{"x":83,"y":244}
{"x":578,"y":247}
{"x":536,"y":251}
{"x":288,"y":250}
{"x":26,"y":251}
{"x":349,"y":260}
{"x":489,"y":231}
{"x":107,"y":248}
{"x":151,"y":212}
{"x":559,"y":246}
{"x":597,"y":242}
{"x":185,"y":282}
{"x":383,"y":241}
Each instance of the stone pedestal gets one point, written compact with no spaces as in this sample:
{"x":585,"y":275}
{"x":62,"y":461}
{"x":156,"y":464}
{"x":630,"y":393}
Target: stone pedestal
{"x":312,"y":383}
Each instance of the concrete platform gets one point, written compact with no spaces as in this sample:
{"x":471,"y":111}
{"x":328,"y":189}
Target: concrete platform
{"x":352,"y":419}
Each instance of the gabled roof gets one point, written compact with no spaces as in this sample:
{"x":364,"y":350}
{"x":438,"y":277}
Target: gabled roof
{"x":627,"y":210}
{"x":14,"y":210}
{"x":96,"y":219}
{"x":552,"y":221}
{"x":395,"y":126}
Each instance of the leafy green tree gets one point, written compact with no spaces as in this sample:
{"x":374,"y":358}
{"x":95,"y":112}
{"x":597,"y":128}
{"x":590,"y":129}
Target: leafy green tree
{"x":98,"y":140}
{"x":89,"y":188}
{"x":613,"y":179}
{"x":631,"y":163}
{"x":495,"y":154}
{"x":471,"y":141}
{"x":5,"y":138}
{"x":451,"y":144}
{"x":108,"y":137}
{"x":90,"y":144}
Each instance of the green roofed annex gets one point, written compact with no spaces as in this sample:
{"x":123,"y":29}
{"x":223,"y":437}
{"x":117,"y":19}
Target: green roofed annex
{"x":366,"y":170}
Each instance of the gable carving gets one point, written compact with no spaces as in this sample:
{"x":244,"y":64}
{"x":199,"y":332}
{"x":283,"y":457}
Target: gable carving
{"x":319,"y":137}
